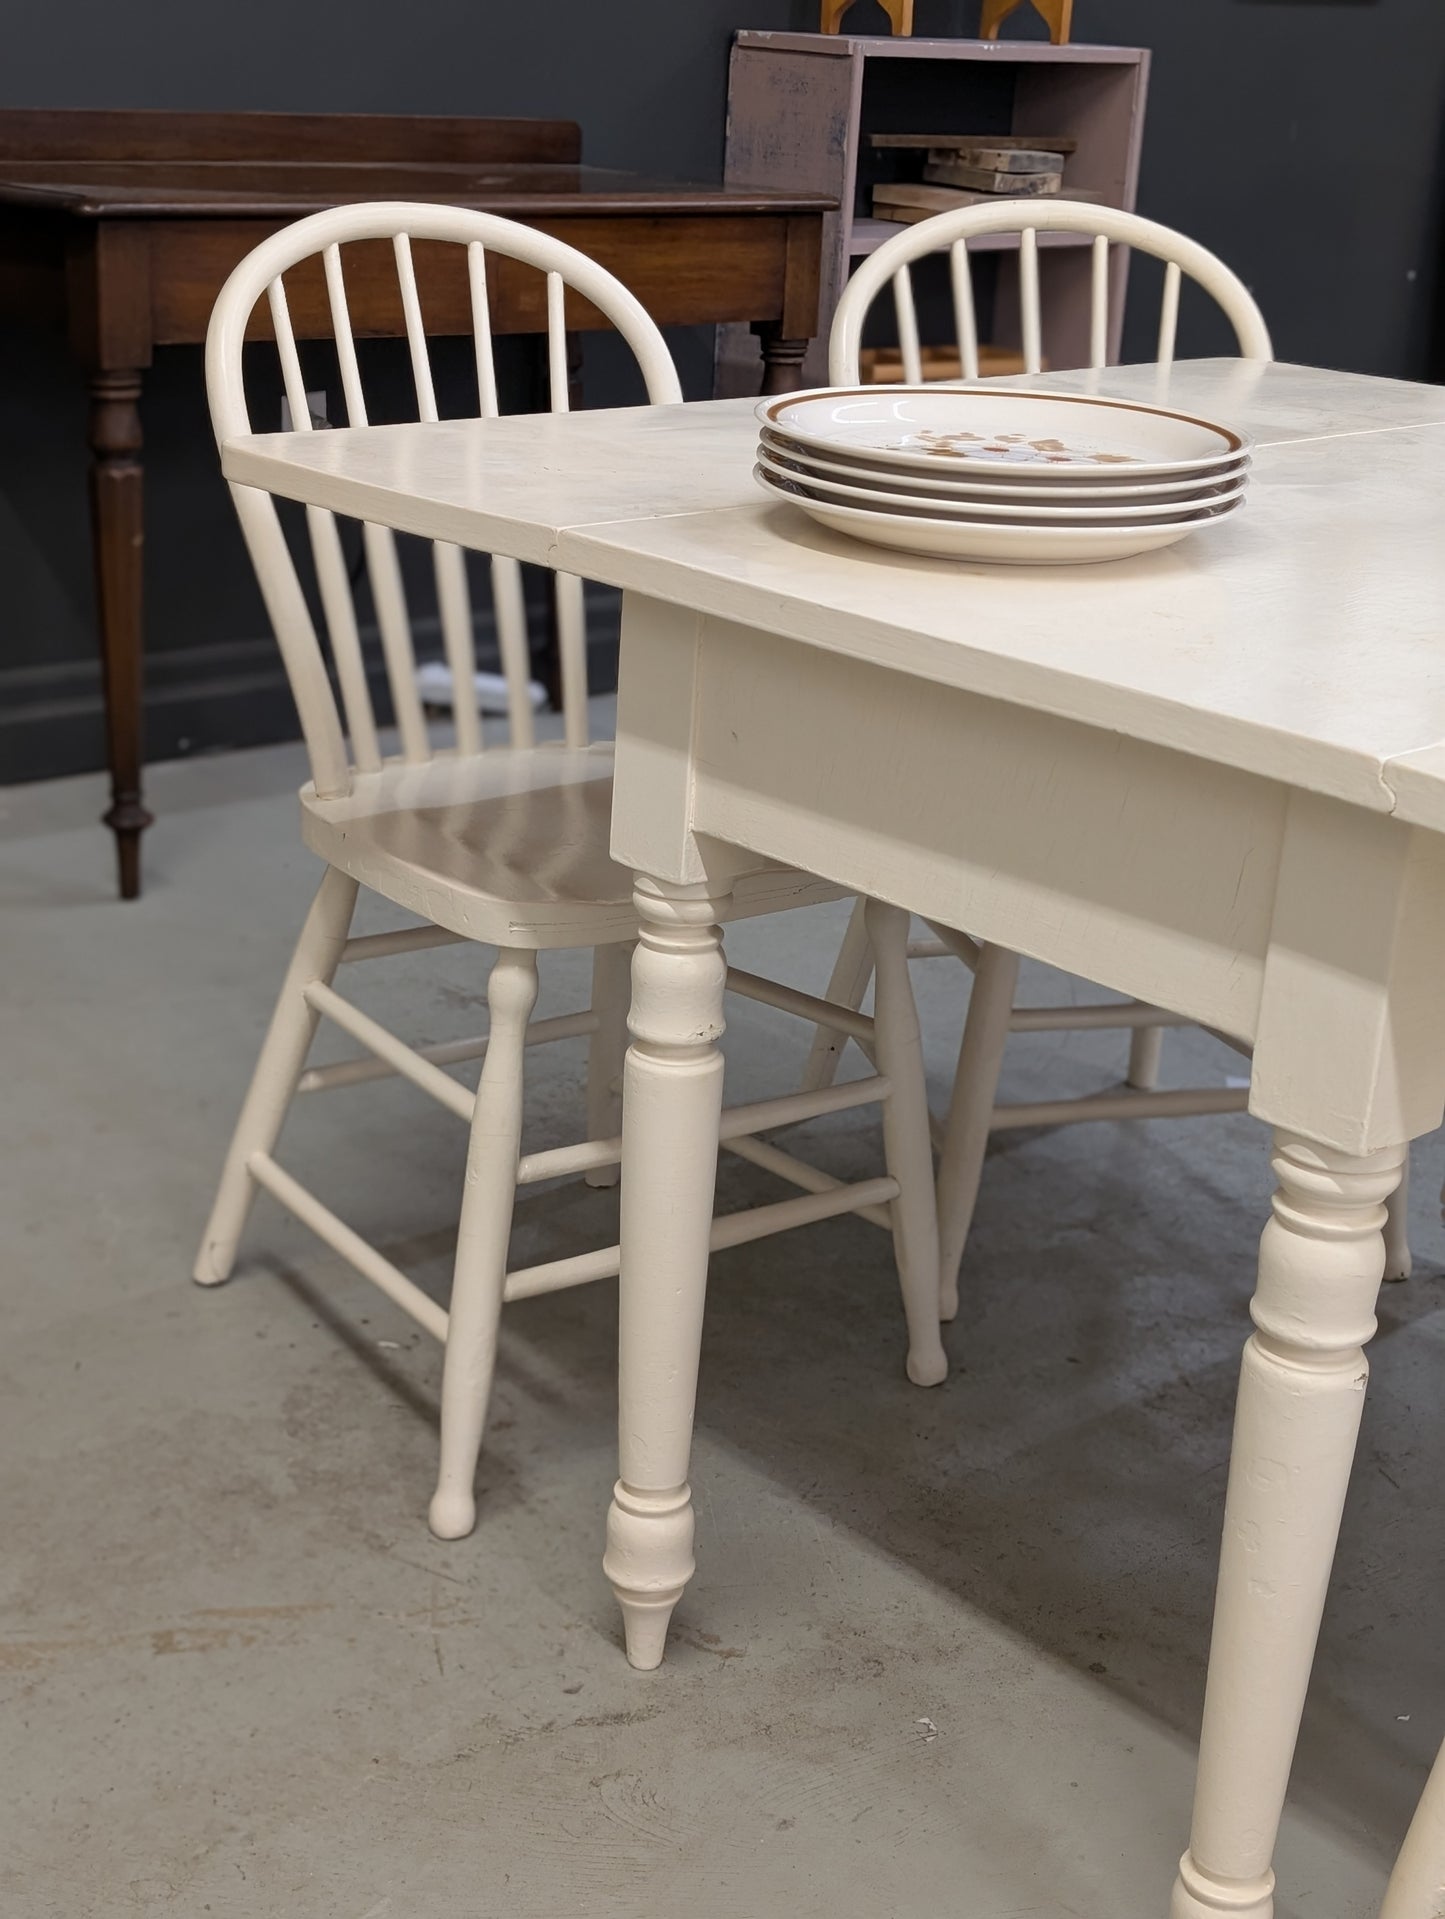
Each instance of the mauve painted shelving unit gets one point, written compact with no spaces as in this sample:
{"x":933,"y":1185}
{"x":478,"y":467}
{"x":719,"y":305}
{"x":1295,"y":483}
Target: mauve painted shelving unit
{"x":801,"y":108}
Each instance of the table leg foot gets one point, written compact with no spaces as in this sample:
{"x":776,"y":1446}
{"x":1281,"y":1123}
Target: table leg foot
{"x":1301,"y":1393}
{"x":648,"y":1563}
{"x":127,"y":819}
{"x":671,"y":1105}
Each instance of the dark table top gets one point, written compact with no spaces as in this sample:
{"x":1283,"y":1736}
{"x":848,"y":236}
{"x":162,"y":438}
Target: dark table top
{"x":90,"y":189}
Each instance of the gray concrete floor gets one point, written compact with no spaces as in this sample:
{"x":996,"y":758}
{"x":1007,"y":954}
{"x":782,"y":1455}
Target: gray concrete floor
{"x":944,"y":1651}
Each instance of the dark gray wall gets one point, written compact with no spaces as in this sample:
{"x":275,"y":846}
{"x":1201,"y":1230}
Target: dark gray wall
{"x":1300,"y":138}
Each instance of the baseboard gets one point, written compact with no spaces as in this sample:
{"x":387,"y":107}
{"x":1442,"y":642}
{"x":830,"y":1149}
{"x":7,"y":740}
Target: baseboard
{"x":209,"y":699}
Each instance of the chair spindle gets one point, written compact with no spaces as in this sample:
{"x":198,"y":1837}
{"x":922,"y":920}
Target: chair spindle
{"x":426,"y":399}
{"x":1099,"y":303}
{"x":331,"y":579}
{"x":482,"y":331}
{"x":557,"y":342}
{"x":454,"y":600}
{"x":509,"y":607}
{"x":907,"y":326}
{"x":382,"y":564}
{"x":454,"y":608}
{"x":340,"y":612}
{"x":1029,"y":301}
{"x":572,"y":653}
{"x":291,"y":376}
{"x":392,"y":617}
{"x":965,"y":320}
{"x":1169,"y":314}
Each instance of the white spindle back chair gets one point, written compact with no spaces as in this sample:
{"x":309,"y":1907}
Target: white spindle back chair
{"x":263,"y":274}
{"x":992,"y":1014}
{"x":507,"y":847}
{"x":893,"y":262}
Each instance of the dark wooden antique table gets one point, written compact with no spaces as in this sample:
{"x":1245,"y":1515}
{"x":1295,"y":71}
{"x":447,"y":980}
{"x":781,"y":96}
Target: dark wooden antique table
{"x":120,"y":228}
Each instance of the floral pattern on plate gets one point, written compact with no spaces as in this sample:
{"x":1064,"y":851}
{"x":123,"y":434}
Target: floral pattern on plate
{"x":1008,"y":449}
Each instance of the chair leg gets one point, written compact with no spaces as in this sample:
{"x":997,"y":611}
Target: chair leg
{"x":1144,"y":1049}
{"x":906,"y":1144}
{"x":1398,"y":1262}
{"x":852,"y":971}
{"x":607,"y":1049}
{"x":1417,"y":1884}
{"x":482,"y":1238}
{"x":273,"y":1084}
{"x":970,"y":1112}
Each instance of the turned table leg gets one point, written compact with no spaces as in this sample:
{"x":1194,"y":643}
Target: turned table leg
{"x":117,"y":525}
{"x":671,"y":1103}
{"x":1301,"y":1393}
{"x":782,"y":359}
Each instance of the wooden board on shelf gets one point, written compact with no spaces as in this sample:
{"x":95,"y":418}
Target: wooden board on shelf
{"x":944,"y":170}
{"x":1010,"y":160}
{"x":1052,"y":143}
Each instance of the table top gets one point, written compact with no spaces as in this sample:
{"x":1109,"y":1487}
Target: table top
{"x":101,"y":163}
{"x":286,"y":189}
{"x":1302,"y":639}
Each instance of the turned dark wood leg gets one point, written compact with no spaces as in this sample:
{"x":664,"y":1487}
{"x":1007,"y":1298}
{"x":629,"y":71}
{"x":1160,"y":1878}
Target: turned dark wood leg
{"x":782,"y":359}
{"x":118,"y":530}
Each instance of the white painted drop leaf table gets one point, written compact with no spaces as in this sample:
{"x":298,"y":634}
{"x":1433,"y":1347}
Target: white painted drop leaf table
{"x":1212,"y":778}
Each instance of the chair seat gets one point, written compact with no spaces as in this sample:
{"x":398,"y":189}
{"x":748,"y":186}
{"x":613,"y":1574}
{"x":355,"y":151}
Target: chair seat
{"x":507,"y":847}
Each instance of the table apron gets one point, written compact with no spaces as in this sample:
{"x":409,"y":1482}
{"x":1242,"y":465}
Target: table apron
{"x":686,"y":269}
{"x":1274,"y":915}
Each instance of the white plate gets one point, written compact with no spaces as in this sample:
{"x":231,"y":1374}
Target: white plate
{"x":1148,"y":512}
{"x":990,"y":430}
{"x":999,"y":545}
{"x":858,"y":470}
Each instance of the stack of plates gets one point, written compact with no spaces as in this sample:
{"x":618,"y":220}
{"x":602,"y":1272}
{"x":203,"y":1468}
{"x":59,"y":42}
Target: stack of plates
{"x":992,"y":473}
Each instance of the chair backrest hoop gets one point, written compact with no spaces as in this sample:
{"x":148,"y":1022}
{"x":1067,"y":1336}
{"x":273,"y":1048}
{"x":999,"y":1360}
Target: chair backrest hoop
{"x":260,"y":276}
{"x":952,"y":231}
